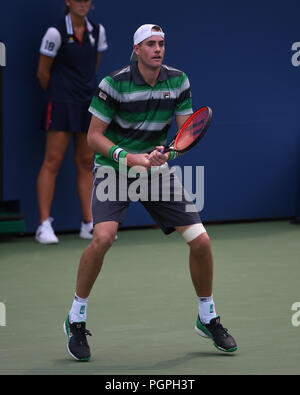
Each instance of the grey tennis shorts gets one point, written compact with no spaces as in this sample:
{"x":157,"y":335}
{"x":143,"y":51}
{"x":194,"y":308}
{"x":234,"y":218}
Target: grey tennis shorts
{"x":161,"y":193}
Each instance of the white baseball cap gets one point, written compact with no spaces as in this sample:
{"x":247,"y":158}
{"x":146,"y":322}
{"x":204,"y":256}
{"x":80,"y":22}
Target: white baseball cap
{"x":143,"y":32}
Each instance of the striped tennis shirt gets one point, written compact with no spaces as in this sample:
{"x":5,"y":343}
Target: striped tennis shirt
{"x":139,"y":115}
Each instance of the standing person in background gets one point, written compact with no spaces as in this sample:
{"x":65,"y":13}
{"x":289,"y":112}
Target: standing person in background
{"x":70,"y":54}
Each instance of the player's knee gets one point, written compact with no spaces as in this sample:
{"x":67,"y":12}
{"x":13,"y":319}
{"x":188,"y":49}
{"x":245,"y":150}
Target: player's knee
{"x":193,"y":232}
{"x":200,"y":247}
{"x":197,"y":238}
{"x":201,"y":243}
{"x":102,"y":240}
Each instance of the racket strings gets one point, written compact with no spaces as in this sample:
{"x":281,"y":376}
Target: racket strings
{"x":191,"y":131}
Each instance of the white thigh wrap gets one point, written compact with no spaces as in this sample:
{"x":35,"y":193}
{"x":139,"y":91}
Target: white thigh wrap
{"x":193,"y":231}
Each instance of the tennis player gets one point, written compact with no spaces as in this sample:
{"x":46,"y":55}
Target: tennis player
{"x":131,"y":117}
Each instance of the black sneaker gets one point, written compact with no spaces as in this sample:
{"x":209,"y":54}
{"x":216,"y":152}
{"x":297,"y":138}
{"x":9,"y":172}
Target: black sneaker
{"x":215,"y":331}
{"x":77,"y":345}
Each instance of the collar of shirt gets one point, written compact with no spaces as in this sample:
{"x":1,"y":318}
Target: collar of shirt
{"x":138,"y":78}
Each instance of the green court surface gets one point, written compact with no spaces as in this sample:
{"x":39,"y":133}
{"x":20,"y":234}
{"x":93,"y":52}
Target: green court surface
{"x":142,"y":309}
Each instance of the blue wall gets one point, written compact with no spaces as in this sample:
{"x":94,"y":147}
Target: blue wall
{"x":238,"y":59}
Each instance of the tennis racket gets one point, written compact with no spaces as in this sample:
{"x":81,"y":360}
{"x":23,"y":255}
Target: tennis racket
{"x":191,"y":132}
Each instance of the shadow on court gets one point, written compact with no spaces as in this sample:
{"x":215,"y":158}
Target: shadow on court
{"x":68,"y":366}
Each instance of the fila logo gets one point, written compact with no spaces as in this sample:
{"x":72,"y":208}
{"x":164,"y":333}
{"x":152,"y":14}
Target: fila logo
{"x":167,"y":95}
{"x":102,"y":95}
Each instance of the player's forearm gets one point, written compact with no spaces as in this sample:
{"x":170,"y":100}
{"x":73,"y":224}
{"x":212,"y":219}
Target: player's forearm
{"x":99,"y":143}
{"x":107,"y":148}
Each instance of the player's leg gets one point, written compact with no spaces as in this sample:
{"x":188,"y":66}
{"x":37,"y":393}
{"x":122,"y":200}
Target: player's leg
{"x":90,"y":265}
{"x":92,"y":258}
{"x":56,"y":146}
{"x":84,"y":164}
{"x":201,"y":269}
{"x":107,"y":215}
{"x":179,"y":213}
{"x":201,"y":259}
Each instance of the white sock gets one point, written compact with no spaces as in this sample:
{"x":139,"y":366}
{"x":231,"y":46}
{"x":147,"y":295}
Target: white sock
{"x":78,"y":310}
{"x":206,"y":309}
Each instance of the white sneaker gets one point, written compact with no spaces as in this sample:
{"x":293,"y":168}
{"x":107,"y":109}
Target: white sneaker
{"x":45,"y":233}
{"x":86,"y":230}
